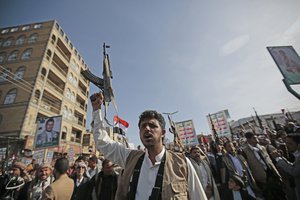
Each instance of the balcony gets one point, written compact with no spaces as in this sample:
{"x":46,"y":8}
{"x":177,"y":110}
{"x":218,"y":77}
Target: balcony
{"x":63,"y":50}
{"x":59,"y":69}
{"x":54,"y":87}
{"x":60,"y":65}
{"x":48,"y":107}
{"x":56,"y":84}
{"x":80,"y":106}
{"x":50,"y":103}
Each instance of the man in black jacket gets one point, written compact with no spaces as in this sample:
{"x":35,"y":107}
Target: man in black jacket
{"x":105,"y":183}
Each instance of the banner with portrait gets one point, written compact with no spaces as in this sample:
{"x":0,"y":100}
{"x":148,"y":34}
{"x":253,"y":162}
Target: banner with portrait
{"x":288,"y":62}
{"x":48,"y":132}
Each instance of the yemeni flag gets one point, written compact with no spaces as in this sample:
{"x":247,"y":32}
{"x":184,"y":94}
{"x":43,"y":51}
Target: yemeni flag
{"x":120,"y":125}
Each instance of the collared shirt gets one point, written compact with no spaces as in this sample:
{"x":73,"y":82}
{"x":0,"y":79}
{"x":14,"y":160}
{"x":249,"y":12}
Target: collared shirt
{"x":148,"y":175}
{"x":237,"y":164}
{"x":118,"y":153}
{"x":239,"y":168}
{"x":92,"y":172}
{"x":79,"y":181}
{"x":236,"y":195}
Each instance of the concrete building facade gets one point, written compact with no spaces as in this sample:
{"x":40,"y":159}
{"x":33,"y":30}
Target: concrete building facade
{"x":40,"y":78}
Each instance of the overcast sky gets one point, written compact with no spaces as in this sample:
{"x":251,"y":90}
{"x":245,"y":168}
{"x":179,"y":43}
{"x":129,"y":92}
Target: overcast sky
{"x":195,"y":57}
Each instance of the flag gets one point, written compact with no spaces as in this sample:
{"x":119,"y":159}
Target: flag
{"x":121,"y":124}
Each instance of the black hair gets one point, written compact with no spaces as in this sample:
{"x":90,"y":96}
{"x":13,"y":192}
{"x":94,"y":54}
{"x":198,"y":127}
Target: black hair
{"x":61,"y":165}
{"x":49,"y":120}
{"x":94,"y":159}
{"x":249,"y":135}
{"x":104,"y":162}
{"x":153,"y":114}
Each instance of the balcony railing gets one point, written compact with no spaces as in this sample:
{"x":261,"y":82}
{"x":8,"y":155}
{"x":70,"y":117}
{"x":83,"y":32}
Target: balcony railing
{"x":63,"y":53}
{"x":55,"y":87}
{"x":47,"y":106}
{"x":59,"y":69}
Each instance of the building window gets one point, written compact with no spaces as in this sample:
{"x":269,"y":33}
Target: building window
{"x":19,"y":73}
{"x":33,"y":38}
{"x":13,"y":55}
{"x":25,"y":28}
{"x":64,"y":133}
{"x":71,"y":45}
{"x":66,"y":39}
{"x":57,"y":26}
{"x":75,"y":51}
{"x":5,"y":31}
{"x":65,"y":112}
{"x":73,"y":65}
{"x":71,"y":78}
{"x":5,"y":74}
{"x":49,"y":54}
{"x":20,"y":40}
{"x":37,"y":26}
{"x":79,"y":57}
{"x":73,"y":97}
{"x":75,"y":81}
{"x":68,"y":93}
{"x":2,"y":57}
{"x":14,"y":29}
{"x":44,"y":72}
{"x":26,"y":54}
{"x":61,"y":32}
{"x":53,"y":39}
{"x":10,"y":96}
{"x":37,"y":95}
{"x":70,"y":114}
{"x":8,"y":42}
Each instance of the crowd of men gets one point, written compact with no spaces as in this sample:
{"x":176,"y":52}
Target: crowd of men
{"x":255,"y":166}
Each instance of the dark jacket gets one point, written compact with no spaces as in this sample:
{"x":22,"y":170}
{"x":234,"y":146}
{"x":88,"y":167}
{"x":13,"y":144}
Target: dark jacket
{"x":96,"y":185}
{"x":79,"y":192}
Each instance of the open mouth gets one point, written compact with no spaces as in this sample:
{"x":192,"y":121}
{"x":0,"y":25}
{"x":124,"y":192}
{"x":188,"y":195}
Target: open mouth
{"x":147,"y":136}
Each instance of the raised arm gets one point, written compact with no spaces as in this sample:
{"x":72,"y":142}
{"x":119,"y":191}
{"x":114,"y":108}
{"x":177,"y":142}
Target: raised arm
{"x":111,"y":149}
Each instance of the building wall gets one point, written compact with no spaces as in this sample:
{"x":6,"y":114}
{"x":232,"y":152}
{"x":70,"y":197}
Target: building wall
{"x":53,"y":84}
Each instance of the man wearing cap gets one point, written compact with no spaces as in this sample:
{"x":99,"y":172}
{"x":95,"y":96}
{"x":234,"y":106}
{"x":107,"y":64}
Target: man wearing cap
{"x":43,"y":179}
{"x":293,"y":169}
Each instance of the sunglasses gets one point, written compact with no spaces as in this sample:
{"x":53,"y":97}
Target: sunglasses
{"x":79,"y":167}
